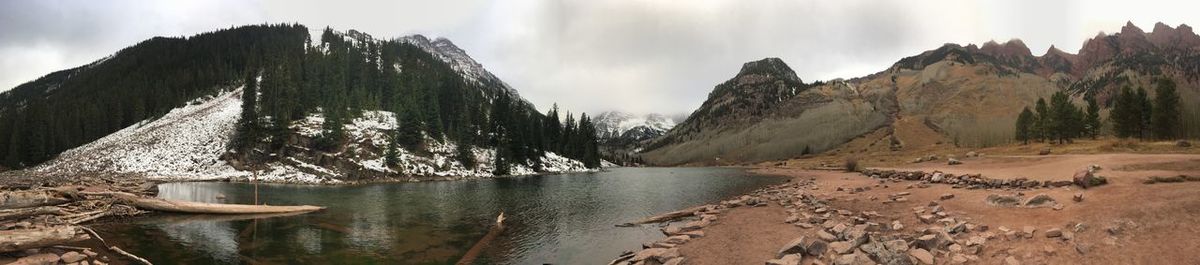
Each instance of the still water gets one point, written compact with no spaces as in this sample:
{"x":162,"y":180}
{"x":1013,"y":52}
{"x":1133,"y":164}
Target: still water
{"x":559,"y":219}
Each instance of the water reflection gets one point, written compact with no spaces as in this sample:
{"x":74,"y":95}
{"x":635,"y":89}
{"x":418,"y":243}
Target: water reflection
{"x":561,"y":219}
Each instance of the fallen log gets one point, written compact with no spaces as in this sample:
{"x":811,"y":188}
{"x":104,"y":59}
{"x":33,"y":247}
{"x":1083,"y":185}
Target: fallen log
{"x":22,"y":239}
{"x":11,"y":214}
{"x":473,"y":252}
{"x":672,"y":215}
{"x":31,"y":198}
{"x":164,"y":205}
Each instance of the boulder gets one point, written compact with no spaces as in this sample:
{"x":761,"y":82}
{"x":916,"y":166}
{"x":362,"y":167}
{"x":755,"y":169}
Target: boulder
{"x":816,"y":247}
{"x":1045,"y":151}
{"x":841,"y":247}
{"x":946,"y":196}
{"x":893,"y":252}
{"x":1078,"y":197}
{"x":1028,"y":231}
{"x":1084,"y":178}
{"x":796,"y":246}
{"x":790,"y":259}
{"x":1003,"y":200}
{"x":922,"y":256}
{"x":953,"y":161}
{"x":1040,"y":200}
{"x":826,"y":235}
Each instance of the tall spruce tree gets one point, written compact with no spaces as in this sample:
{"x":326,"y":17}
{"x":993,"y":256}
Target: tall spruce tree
{"x":1041,"y":121}
{"x":1092,"y":118}
{"x":1025,"y":127}
{"x":1124,"y":114}
{"x":1166,"y":117}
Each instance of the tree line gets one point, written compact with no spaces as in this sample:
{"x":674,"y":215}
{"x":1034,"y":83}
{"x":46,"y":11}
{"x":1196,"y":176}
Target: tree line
{"x":1133,"y":115}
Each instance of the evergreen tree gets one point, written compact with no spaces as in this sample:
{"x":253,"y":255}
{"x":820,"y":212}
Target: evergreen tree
{"x":1042,"y":121}
{"x":464,"y":155}
{"x":1166,"y":115}
{"x":1145,"y":110}
{"x":1025,"y":126}
{"x":247,"y":132}
{"x":1124,"y":114}
{"x":1092,"y":118}
{"x":408,"y":132}
{"x":552,"y":130}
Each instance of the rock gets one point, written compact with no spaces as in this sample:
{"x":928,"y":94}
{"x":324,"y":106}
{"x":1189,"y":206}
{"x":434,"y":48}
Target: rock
{"x":675,"y":261}
{"x":1003,"y":200}
{"x":661,"y":255}
{"x":41,"y":258}
{"x":1054,"y":232}
{"x":826,"y":235}
{"x":1182,"y":143}
{"x":972,"y":154}
{"x":1010,"y":260}
{"x":72,"y":257}
{"x":693,"y":234}
{"x":1040,"y":200}
{"x":791,"y":219}
{"x":922,"y":256}
{"x":841,"y":247}
{"x":946,"y":196}
{"x":1078,"y":197}
{"x":1083,"y":249}
{"x":937,"y":177}
{"x":856,"y":235}
{"x":1028,"y":231}
{"x":793,"y":247}
{"x":1045,"y":151}
{"x":928,"y":242}
{"x":790,"y":259}
{"x":1086,"y":179}
{"x":927,"y":218}
{"x":677,"y":240}
{"x":893,"y":252}
{"x":953,"y":161}
{"x":976,"y":241}
{"x":897,"y":226}
{"x":958,"y":259}
{"x":816,"y":247}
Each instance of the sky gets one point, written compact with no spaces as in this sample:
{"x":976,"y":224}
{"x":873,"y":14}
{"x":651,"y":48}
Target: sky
{"x":594,"y":55}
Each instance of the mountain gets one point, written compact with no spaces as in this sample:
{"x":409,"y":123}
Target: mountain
{"x":274,"y":102}
{"x":953,"y":95}
{"x":623,"y":126}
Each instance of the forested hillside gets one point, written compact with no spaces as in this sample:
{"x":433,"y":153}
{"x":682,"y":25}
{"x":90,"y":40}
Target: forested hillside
{"x":288,"y":77}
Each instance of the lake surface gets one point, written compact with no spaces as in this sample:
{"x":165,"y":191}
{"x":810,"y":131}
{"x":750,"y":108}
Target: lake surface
{"x":559,"y":219}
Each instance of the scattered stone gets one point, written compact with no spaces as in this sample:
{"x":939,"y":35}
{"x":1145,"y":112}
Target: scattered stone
{"x":41,"y":258}
{"x":790,"y":259}
{"x":1028,"y":231}
{"x":1045,"y":151}
{"x":826,"y":236}
{"x":793,"y":247}
{"x":922,"y":256}
{"x":897,"y":226}
{"x":958,"y":259}
{"x":1054,"y":232}
{"x":1049,"y":250}
{"x":976,"y":241}
{"x":1003,"y":200}
{"x":1040,"y":200}
{"x":946,"y":196}
{"x":661,"y":255}
{"x":953,"y":161}
{"x":72,"y":257}
{"x":1010,"y":260}
{"x":1082,"y":248}
{"x":804,"y":225}
{"x":677,"y":240}
{"x":841,"y":247}
{"x":693,"y":234}
{"x":675,"y":261}
{"x":1086,"y":179}
{"x":816,"y":247}
{"x":927,"y":218}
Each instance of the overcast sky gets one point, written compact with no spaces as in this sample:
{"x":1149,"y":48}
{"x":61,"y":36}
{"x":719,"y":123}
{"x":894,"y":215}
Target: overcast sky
{"x":595,"y":55}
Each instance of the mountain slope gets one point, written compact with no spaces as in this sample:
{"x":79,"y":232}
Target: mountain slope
{"x":952,"y":95}
{"x":346,"y":107}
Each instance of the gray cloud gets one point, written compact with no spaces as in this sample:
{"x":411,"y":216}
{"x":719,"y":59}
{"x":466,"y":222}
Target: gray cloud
{"x":639,"y":56}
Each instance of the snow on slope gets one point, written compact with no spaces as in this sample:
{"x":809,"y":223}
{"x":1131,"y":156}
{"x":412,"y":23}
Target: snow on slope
{"x":185,"y":143}
{"x":615,"y":123}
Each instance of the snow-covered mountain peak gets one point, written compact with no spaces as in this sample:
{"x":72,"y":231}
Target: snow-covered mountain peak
{"x":613,"y":124}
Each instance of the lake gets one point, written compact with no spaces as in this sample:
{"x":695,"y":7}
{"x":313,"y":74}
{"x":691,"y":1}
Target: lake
{"x":559,"y":219}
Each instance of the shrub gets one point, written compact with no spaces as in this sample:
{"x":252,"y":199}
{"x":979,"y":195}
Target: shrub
{"x":852,"y":164}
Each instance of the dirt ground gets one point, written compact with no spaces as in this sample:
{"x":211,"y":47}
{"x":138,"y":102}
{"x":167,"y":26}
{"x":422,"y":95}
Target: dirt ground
{"x":1151,"y":223}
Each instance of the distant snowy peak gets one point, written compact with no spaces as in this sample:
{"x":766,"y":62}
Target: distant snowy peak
{"x":458,"y":59}
{"x":614,"y":124}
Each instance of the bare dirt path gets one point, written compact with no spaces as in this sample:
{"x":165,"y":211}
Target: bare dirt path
{"x":1124,"y":222}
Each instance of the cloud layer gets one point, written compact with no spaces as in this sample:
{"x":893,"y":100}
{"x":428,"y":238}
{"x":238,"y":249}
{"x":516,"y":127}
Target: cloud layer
{"x":638,"y":56}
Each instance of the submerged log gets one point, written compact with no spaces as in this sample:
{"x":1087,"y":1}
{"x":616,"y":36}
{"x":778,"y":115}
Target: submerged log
{"x":31,"y":198}
{"x":22,"y":239}
{"x":11,"y":214}
{"x":493,"y":232}
{"x":672,"y":215}
{"x":164,"y":205}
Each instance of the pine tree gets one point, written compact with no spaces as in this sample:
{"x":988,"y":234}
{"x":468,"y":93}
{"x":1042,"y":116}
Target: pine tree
{"x":1145,"y":111}
{"x":1092,"y":118}
{"x":1042,"y":121}
{"x":1025,"y":126}
{"x":1123,"y":113}
{"x":247,"y":132}
{"x":408,"y":132}
{"x":464,"y":155}
{"x":1166,"y":115}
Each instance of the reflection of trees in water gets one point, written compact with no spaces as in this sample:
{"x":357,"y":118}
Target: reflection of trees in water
{"x":217,"y":239}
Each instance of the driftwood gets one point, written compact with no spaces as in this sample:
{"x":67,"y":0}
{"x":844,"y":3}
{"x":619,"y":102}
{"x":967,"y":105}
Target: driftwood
{"x":671,"y":215}
{"x":473,"y":253}
{"x":114,"y":248}
{"x":21,"y":239}
{"x":163,"y":205}
{"x":31,"y":198}
{"x":11,"y":214}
